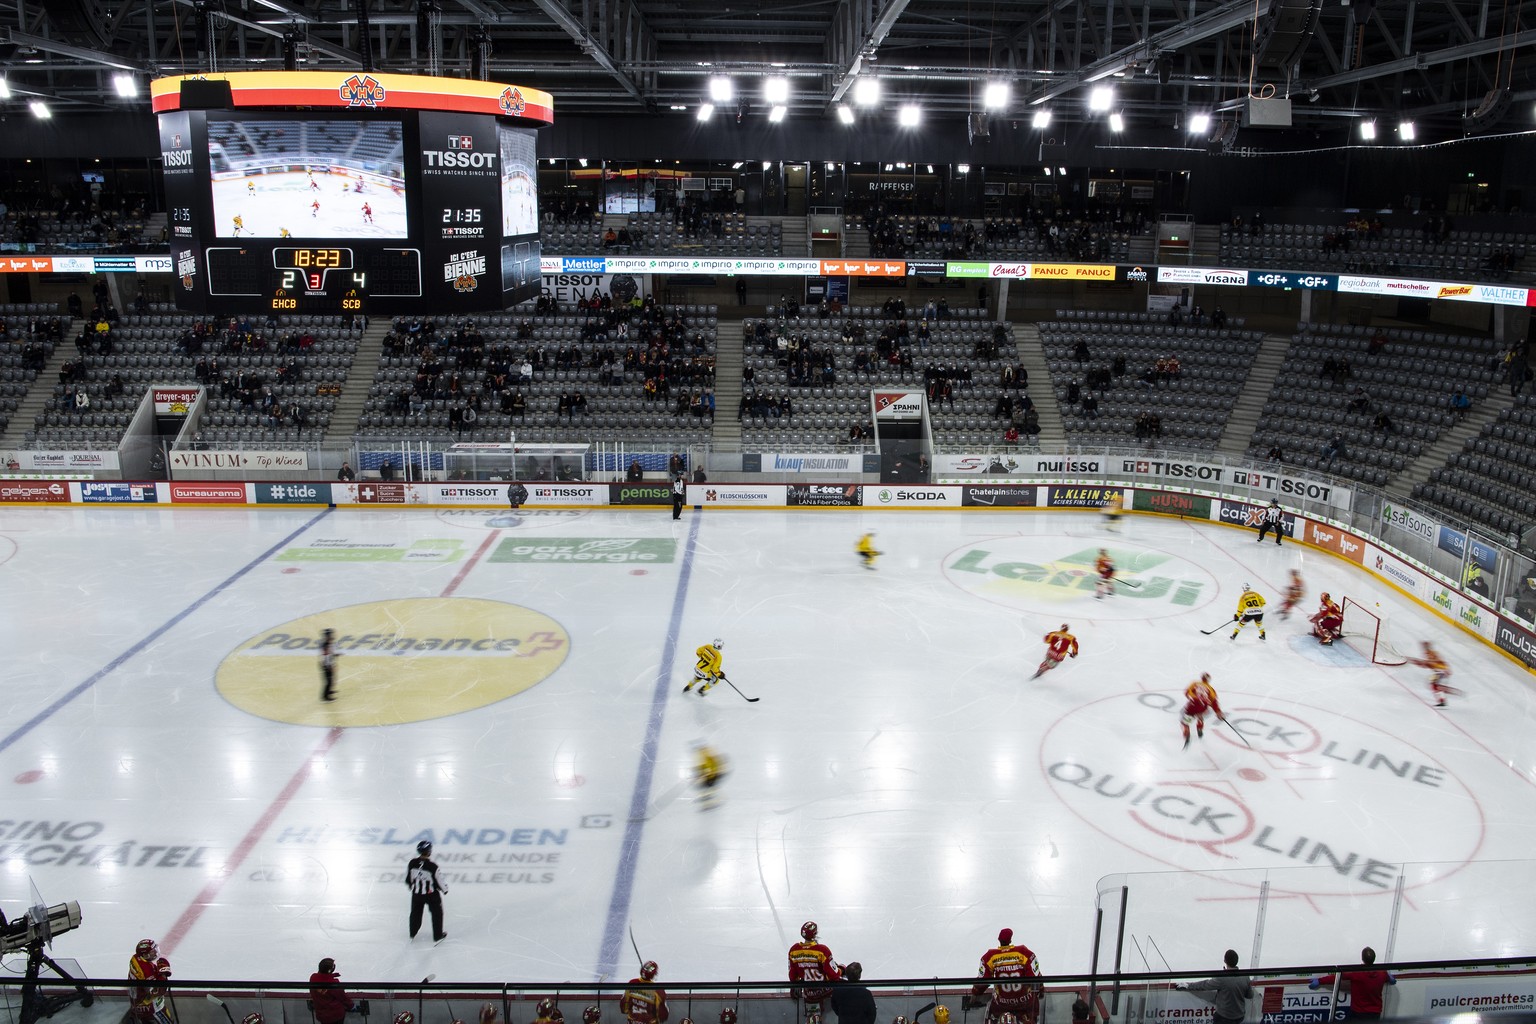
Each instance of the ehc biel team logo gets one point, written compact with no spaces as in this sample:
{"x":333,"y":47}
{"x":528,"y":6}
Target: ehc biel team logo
{"x":365,"y":91}
{"x":511,"y":102}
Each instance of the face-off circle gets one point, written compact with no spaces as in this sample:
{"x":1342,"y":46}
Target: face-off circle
{"x":1340,"y":800}
{"x":399,"y":661}
{"x":1055,"y":573}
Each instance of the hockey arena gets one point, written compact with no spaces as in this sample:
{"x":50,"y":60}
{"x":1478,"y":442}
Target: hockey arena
{"x":901,"y":779}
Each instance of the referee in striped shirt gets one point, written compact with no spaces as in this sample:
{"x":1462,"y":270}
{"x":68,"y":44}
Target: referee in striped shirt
{"x":426,"y":890}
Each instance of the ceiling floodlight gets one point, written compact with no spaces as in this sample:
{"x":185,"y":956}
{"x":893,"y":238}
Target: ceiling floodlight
{"x":845,"y":114}
{"x":776,"y":114}
{"x":40,"y":110}
{"x":5,"y":89}
{"x":1199,"y":124}
{"x":1368,"y":130}
{"x":910,"y":115}
{"x":776,"y":91}
{"x":1102,"y":98}
{"x":1407,"y":132}
{"x":126,"y":85}
{"x":963,"y":168}
{"x":705,"y":111}
{"x":1042,"y":119}
{"x":997,"y":95}
{"x":721,"y":89}
{"x":866,"y":92}
{"x":1116,"y":123}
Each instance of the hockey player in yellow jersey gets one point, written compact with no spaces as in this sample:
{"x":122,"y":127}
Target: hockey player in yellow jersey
{"x":866,"y":549}
{"x":708,"y":770}
{"x":707,"y":671}
{"x":1250,"y":608}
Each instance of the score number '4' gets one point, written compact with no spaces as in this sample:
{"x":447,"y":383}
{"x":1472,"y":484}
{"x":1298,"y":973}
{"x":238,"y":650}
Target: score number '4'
{"x":314,"y":280}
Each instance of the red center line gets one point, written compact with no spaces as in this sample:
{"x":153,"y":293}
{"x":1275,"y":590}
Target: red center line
{"x":211,"y":891}
{"x":485,"y":546}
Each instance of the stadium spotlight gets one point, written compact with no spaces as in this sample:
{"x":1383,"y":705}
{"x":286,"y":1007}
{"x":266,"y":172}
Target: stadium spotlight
{"x":1042,"y":119}
{"x":705,"y":111}
{"x":909,"y":115}
{"x":721,"y":89}
{"x":126,"y":85}
{"x":582,"y":161}
{"x":776,"y":91}
{"x":1047,"y":172}
{"x":866,"y":92}
{"x":1062,"y":171}
{"x":40,"y":110}
{"x":776,"y":114}
{"x":963,"y":168}
{"x":5,"y":89}
{"x":1407,"y":132}
{"x":845,"y":114}
{"x":1102,"y":98}
{"x":1199,"y":124}
{"x":1368,"y":130}
{"x":997,"y":95}
{"x":1116,"y":123}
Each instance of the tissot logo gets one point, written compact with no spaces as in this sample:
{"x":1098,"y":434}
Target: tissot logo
{"x":459,"y":158}
{"x":176,"y":157}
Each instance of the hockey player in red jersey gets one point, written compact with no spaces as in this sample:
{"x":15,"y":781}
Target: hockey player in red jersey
{"x":548,"y":1013}
{"x":810,"y":961}
{"x":643,"y":1003}
{"x":1328,"y":621}
{"x":1199,"y":698}
{"x":1293,"y":594}
{"x":1105,"y":567}
{"x":1059,"y":644}
{"x":1007,"y":970}
{"x":1440,"y":672}
{"x":148,"y":1000}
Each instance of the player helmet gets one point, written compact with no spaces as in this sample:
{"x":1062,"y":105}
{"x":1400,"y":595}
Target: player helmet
{"x":1245,"y":588}
{"x":405,"y":1017}
{"x":1007,"y":1018}
{"x":487,"y":1013}
{"x":719,"y":643}
{"x":1326,"y":597}
{"x":1205,"y":677}
{"x":727,"y":1016}
{"x":146,"y":949}
{"x":808,"y":931}
{"x":546,"y":1008}
{"x":591,"y":1015}
{"x":814,"y":1017}
{"x":648,"y":970}
{"x":1005,"y":937}
{"x":423,"y":847}
{"x":898,"y":1019}
{"x":1063,"y":627}
{"x":327,"y":966}
{"x":941,"y":1014}
{"x":251,"y":1018}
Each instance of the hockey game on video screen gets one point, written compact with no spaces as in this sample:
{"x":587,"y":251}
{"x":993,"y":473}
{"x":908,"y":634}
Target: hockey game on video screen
{"x":520,"y":250}
{"x":306,"y":177}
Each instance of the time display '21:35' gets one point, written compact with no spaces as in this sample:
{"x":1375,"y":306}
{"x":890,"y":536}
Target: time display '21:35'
{"x":469,"y":215}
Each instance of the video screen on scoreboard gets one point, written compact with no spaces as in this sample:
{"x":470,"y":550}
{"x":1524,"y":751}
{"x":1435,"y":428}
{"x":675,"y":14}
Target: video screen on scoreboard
{"x":307,"y":177}
{"x":519,"y":183}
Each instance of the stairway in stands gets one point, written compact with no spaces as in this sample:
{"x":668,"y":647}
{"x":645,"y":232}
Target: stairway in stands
{"x":354,"y":391}
{"x":1450,"y":442}
{"x":726,"y":436}
{"x":856,"y":242}
{"x":1249,"y":407}
{"x":1026,"y":338}
{"x":796,"y":239}
{"x":24,"y":419}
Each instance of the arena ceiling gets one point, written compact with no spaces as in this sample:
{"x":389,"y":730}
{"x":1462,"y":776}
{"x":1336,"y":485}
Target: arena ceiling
{"x":1436,"y":62}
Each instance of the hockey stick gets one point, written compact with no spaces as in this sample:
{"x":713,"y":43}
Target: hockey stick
{"x":749,"y":700}
{"x":1239,"y":735}
{"x":1218,"y":629}
{"x":216,"y":1001}
{"x":1128,"y":583}
{"x":919,"y":1014}
{"x":636,"y":947}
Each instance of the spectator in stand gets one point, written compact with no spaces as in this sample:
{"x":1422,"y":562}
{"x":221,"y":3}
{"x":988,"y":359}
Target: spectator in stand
{"x":1118,"y":366}
{"x":1218,"y":317}
{"x":1275,"y":453}
{"x":1091,"y":406}
{"x":1460,"y":404}
{"x":1359,"y":399}
{"x":856,"y":433}
{"x":1378,"y":342}
{"x":1074,"y":392}
{"x":1080,"y":352}
{"x":1011,"y":435}
{"x":635,"y":473}
{"x":1384,"y":423}
{"x":1333,"y":449}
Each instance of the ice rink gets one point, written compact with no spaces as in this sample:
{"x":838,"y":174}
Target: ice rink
{"x":511,"y":688}
{"x":272,"y":203}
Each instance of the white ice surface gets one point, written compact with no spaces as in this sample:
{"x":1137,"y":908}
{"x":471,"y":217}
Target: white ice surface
{"x":902,"y":781}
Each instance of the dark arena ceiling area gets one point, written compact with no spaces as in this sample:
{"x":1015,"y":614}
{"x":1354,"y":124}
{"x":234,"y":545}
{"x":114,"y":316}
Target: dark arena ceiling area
{"x":1451,"y":68}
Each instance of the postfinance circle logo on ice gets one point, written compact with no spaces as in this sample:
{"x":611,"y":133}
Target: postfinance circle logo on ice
{"x":400,"y":661}
{"x":1032,"y":573}
{"x":1318,"y":802}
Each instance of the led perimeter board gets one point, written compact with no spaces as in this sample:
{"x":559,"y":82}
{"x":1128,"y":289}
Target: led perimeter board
{"x":384,"y":194}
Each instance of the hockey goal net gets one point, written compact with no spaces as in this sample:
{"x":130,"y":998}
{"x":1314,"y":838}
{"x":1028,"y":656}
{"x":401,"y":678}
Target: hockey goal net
{"x":1365,"y":631}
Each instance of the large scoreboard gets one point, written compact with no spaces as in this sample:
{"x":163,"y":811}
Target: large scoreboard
{"x":339,"y":192}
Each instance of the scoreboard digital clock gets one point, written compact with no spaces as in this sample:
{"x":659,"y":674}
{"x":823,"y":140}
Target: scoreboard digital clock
{"x":377,"y":206}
